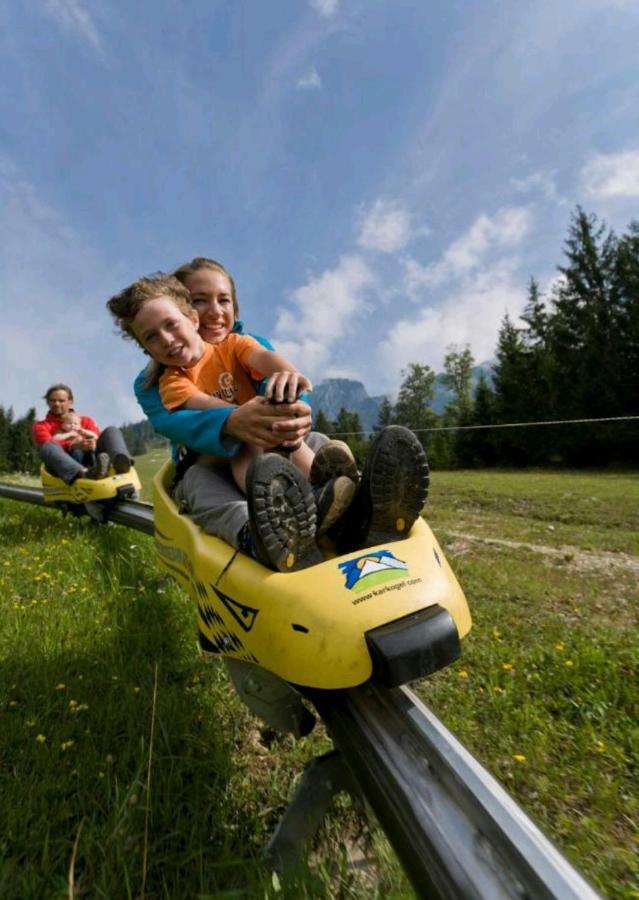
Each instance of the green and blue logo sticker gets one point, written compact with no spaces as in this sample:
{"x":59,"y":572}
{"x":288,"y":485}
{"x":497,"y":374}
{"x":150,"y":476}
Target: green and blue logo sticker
{"x":372,"y":569}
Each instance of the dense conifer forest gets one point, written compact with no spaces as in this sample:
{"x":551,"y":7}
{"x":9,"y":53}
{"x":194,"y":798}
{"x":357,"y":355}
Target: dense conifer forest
{"x":574,"y":354}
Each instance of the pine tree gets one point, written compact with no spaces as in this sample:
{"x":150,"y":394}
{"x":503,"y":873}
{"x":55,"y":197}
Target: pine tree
{"x":481,"y":445}
{"x":415,"y":396}
{"x":457,"y":378}
{"x":458,"y":412}
{"x":585,"y":338}
{"x":348,"y":427}
{"x":510,"y":375}
{"x":5,"y":422}
{"x":134,"y":438}
{"x":537,"y":373}
{"x":322,"y":424}
{"x":627,"y":280}
{"x":413,"y":407}
{"x":535,"y":315}
{"x":386,"y":415}
{"x":23,"y":455}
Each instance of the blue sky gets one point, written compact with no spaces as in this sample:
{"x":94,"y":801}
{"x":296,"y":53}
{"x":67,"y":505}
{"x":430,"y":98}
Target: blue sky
{"x":382,"y":177}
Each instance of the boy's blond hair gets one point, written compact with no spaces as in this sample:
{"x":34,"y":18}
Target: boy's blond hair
{"x":125,"y":306}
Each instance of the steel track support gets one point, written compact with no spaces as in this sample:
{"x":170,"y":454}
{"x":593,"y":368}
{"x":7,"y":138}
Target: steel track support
{"x":324,"y":777}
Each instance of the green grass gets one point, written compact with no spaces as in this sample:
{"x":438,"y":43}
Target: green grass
{"x":146,"y":467}
{"x":588,"y":509}
{"x":86,"y":619}
{"x":545,"y":695}
{"x":547,"y":691}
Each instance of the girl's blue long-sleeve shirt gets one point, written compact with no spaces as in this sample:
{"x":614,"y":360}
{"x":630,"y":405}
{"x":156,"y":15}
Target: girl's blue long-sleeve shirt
{"x":198,"y":429}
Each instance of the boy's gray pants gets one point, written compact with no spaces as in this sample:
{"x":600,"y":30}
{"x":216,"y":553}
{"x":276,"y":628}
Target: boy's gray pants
{"x":213,"y":500}
{"x":216,"y":504}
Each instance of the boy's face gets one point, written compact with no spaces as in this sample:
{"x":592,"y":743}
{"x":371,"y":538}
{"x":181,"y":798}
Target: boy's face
{"x":212,"y":298}
{"x":167,"y":334}
{"x":71,"y":419}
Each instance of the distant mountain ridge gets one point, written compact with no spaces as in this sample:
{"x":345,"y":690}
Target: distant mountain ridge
{"x":332,"y":394}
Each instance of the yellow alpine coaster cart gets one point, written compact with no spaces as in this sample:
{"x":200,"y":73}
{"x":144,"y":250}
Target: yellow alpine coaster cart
{"x":93,"y":496}
{"x":391,"y":613}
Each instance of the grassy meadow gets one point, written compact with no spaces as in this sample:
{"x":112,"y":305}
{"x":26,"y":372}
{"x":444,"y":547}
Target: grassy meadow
{"x":128,"y":768}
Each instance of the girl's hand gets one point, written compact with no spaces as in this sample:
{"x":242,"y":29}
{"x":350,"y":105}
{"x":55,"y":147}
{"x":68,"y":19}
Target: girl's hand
{"x":265,"y":424}
{"x":285,"y":387}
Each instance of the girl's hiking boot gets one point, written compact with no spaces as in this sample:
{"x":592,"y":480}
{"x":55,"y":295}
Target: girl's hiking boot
{"x":333,"y":499}
{"x":391,"y":493}
{"x":334,"y":458}
{"x":282,"y":515}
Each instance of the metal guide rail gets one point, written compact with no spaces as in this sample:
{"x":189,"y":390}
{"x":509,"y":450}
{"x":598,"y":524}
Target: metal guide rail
{"x":455,"y":830}
{"x":125,"y":512}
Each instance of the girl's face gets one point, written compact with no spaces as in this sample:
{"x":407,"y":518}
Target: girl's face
{"x":212,"y":297}
{"x":167,"y":334}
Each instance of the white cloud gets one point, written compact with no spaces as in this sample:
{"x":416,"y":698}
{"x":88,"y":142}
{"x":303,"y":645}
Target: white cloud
{"x":310,"y":80}
{"x":470,"y":315}
{"x":542,"y":183}
{"x":506,"y":229}
{"x":310,"y":356}
{"x":321,"y":313}
{"x":385,"y":226}
{"x":73,"y":16}
{"x":612,"y":176}
{"x":325,"y":8}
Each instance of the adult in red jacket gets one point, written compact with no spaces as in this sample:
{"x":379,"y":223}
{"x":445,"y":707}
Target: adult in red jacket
{"x":71,"y":457}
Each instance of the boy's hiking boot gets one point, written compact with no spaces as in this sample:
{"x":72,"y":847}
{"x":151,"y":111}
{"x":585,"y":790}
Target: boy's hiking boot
{"x":100,"y":469}
{"x":121,"y":463}
{"x":333,"y":499}
{"x":391,"y":494}
{"x":334,"y":458}
{"x":282,"y":515}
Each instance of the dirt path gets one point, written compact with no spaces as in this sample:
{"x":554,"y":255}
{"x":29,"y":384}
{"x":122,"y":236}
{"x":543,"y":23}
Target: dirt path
{"x":575,"y":556}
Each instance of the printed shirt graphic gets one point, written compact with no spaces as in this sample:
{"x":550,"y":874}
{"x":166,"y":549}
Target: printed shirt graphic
{"x":374,"y":568}
{"x":223,"y":371}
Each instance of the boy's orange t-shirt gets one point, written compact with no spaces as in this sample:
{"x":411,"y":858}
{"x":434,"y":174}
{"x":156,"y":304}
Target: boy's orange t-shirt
{"x":223,"y":371}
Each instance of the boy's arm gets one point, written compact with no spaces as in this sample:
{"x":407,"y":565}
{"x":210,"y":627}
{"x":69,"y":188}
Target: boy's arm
{"x":284,"y":381}
{"x":201,"y":430}
{"x":200,"y":400}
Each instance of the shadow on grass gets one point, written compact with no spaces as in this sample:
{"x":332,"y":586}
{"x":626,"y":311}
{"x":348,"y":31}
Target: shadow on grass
{"x":76,"y":744}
